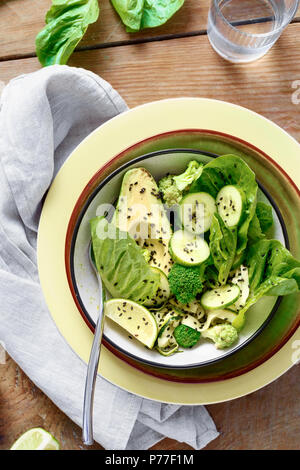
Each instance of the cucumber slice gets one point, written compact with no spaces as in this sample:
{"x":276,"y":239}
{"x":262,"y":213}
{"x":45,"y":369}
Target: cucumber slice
{"x":188,"y":249}
{"x":186,"y":336}
{"x":162,"y":293}
{"x":230,"y":205}
{"x":220,"y":297}
{"x":196,"y":212}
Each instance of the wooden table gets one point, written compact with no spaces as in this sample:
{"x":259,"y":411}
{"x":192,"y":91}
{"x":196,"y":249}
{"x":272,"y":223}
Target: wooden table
{"x":173,"y":60}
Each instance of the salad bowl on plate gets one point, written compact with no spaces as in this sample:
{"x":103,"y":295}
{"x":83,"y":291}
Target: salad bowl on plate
{"x":212,"y":127}
{"x":233,"y":254}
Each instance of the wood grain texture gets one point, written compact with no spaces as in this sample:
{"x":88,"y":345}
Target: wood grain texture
{"x":268,"y":419}
{"x":21,"y":20}
{"x":189,"y":67}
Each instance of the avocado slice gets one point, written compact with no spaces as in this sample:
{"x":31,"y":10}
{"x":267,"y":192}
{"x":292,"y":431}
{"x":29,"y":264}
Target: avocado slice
{"x":140,"y":212}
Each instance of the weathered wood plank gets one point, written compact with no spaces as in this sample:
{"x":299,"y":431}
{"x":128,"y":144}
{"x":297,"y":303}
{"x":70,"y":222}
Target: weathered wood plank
{"x":21,"y":20}
{"x":257,"y":421}
{"x":189,"y":67}
{"x":157,"y":70}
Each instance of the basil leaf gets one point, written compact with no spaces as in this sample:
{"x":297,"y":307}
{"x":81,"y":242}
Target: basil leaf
{"x":66,"y":24}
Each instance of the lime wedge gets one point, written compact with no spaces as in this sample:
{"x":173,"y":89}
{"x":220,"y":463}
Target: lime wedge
{"x":134,"y":318}
{"x":36,"y":439}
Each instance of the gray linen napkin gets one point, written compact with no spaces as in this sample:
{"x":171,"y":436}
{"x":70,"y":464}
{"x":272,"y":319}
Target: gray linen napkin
{"x":43,"y":117}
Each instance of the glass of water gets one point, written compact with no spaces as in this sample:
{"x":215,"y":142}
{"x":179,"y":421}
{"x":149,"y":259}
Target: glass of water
{"x":244,"y":30}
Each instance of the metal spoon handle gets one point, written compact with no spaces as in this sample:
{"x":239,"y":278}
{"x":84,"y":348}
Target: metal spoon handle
{"x":87,"y":425}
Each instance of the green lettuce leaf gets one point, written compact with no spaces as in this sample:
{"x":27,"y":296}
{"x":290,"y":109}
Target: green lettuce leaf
{"x":140,"y":14}
{"x":260,"y":224}
{"x":231,"y":170}
{"x":272,"y":271}
{"x":66,"y":24}
{"x":130,"y":12}
{"x":255,"y":233}
{"x":265,"y":216}
{"x":158,"y":12}
{"x":121,"y":263}
{"x":223,"y":241}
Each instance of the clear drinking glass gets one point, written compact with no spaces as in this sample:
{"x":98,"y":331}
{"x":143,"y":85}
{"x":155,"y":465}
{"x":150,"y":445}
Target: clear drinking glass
{"x":244,"y":30}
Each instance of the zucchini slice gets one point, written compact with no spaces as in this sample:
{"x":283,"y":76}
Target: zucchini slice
{"x":196,"y":212}
{"x":220,"y":297}
{"x":230,"y":205}
{"x":187,"y":249}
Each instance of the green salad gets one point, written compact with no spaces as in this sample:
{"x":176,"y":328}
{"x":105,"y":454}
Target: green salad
{"x":184,"y":258}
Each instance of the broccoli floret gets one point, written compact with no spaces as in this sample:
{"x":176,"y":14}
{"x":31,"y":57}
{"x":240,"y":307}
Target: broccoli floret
{"x":192,"y":173}
{"x":170,"y":193}
{"x":185,"y":336}
{"x":223,"y":335}
{"x":172,"y":187}
{"x":185,"y":282}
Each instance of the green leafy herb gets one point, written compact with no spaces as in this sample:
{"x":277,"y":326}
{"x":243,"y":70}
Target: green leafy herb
{"x":121,"y":263}
{"x":261,"y":223}
{"x":130,"y":12}
{"x":272,"y":271}
{"x":140,"y":14}
{"x":223,"y":241}
{"x":66,"y":24}
{"x":265,"y":216}
{"x":231,"y":170}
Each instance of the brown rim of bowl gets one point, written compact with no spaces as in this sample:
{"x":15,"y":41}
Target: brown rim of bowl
{"x":127,"y":357}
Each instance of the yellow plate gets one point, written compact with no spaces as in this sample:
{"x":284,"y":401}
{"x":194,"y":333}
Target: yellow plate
{"x":95,"y":151}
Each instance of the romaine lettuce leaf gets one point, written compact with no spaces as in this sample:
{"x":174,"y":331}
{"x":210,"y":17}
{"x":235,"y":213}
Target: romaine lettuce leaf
{"x":66,"y":24}
{"x":231,"y":170}
{"x":260,"y":224}
{"x":223,"y":241}
{"x":139,"y":14}
{"x":121,"y":263}
{"x":158,"y":12}
{"x":272,"y":271}
{"x":265,"y":216}
{"x":130,"y":12}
